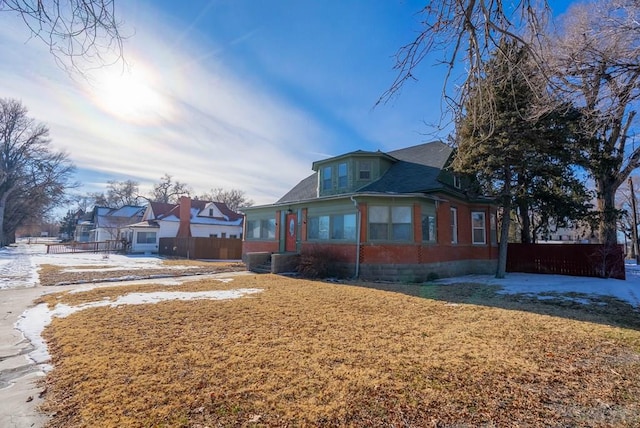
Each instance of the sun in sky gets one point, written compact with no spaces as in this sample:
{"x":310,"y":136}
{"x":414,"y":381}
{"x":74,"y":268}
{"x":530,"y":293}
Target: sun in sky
{"x":129,"y":93}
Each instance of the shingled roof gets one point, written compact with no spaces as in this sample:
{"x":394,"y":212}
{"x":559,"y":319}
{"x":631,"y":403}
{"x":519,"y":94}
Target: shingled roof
{"x":416,"y":169}
{"x":163,"y":210}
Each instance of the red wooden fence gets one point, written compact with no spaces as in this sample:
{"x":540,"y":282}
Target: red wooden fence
{"x":202,"y":248}
{"x":567,"y":259}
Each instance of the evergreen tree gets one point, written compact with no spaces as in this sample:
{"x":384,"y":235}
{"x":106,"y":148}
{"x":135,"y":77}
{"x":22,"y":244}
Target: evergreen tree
{"x":522,"y":160}
{"x":68,"y":224}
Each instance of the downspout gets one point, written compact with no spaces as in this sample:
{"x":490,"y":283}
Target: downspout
{"x":358,"y":220}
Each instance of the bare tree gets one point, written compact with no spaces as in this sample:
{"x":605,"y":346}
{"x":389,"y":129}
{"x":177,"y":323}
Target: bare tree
{"x":121,"y":193}
{"x":234,"y":199}
{"x":73,"y":30}
{"x":594,"y":62}
{"x":32,"y":177}
{"x":466,"y":32}
{"x":626,"y":220}
{"x":168,"y":191}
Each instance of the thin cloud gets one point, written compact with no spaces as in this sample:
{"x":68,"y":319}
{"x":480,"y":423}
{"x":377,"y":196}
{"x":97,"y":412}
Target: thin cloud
{"x":217,"y":128}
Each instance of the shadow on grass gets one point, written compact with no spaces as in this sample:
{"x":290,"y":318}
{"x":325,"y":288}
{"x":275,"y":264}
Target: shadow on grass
{"x":577,"y":306}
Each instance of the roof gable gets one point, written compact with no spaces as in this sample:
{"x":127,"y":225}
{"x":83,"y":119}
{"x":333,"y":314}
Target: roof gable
{"x":415,"y":169}
{"x":161,"y":210}
{"x":199,"y":210}
{"x":115,"y":217}
{"x":358,"y":153}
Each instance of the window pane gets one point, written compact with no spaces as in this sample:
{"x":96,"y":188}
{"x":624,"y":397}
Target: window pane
{"x":337,"y":227}
{"x":268,"y":229}
{"x":146,"y":238}
{"x":378,"y":231}
{"x":350,"y":227}
{"x":378,"y":214}
{"x":429,"y":228}
{"x":454,"y":226}
{"x":364,"y":170}
{"x":478,"y":227}
{"x":477,"y":219}
{"x":313,"y":228}
{"x":272,"y":228}
{"x":250,"y":226}
{"x":401,"y":214}
{"x":402,"y":232}
{"x":323,"y":227}
{"x":433,"y":229}
{"x":342,"y":175}
{"x":326,"y":177}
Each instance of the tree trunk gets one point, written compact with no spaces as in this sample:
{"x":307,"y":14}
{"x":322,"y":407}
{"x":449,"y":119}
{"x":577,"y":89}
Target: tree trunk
{"x":504,"y":227}
{"x":608,"y":213}
{"x":504,"y":241}
{"x":3,"y":205}
{"x":525,"y":231}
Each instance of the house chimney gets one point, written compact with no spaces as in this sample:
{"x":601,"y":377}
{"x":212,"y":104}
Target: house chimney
{"x":184,"y":230}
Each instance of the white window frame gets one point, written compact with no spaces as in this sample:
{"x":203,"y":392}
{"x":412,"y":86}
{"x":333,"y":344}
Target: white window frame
{"x":475,"y":228}
{"x":454,"y":225}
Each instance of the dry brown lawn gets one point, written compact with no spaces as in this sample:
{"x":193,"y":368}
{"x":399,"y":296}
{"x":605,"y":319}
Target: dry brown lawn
{"x":61,"y":275}
{"x":308,"y":353}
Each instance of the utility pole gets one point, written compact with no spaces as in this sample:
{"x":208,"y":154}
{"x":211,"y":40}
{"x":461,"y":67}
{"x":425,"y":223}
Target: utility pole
{"x":634,"y":234}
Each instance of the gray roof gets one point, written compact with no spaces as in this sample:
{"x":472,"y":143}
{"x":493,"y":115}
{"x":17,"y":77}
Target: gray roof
{"x":435,"y":154}
{"x":417,"y":170}
{"x":306,"y":189}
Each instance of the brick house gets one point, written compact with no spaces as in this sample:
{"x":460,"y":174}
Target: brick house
{"x":401,"y":216}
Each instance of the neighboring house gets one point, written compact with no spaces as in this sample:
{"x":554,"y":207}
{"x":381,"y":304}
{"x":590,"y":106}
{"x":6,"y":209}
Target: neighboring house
{"x":106,"y":224}
{"x":577,"y":234}
{"x":84,"y":225}
{"x":401,"y":215}
{"x":186,"y":219}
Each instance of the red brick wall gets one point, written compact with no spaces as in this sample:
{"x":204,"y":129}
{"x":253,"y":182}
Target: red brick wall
{"x":400,"y":253}
{"x":412,"y":253}
{"x":277,"y":232}
{"x":345,"y":253}
{"x":443,"y":218}
{"x":259,"y":246}
{"x":417,"y":223}
{"x":303,"y":226}
{"x":184,"y":228}
{"x":363,"y":221}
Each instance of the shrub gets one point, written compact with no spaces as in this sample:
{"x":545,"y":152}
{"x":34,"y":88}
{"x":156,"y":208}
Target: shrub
{"x":317,"y":264}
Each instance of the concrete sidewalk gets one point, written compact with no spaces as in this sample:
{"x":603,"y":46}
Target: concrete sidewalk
{"x":19,"y":392}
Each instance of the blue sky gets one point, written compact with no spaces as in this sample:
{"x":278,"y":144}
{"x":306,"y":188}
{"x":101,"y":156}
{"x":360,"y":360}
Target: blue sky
{"x":236,"y":94}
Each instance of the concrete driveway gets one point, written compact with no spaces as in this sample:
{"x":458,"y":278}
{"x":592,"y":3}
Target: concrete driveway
{"x":19,"y":392}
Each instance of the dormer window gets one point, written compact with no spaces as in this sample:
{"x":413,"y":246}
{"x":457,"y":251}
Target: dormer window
{"x":364,"y":170}
{"x":456,"y":182}
{"x":210,"y":212}
{"x":326,"y":178}
{"x":342,"y":175}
